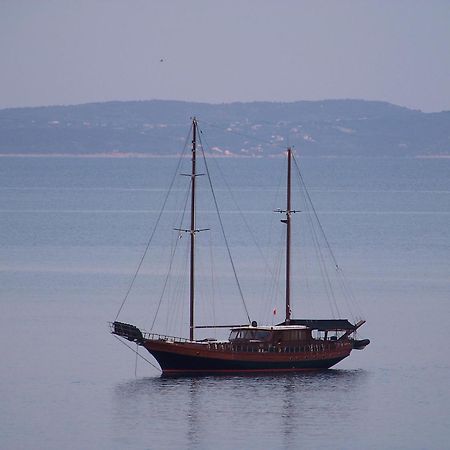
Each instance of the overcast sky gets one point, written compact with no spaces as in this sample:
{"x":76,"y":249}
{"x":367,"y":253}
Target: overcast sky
{"x":69,"y":52}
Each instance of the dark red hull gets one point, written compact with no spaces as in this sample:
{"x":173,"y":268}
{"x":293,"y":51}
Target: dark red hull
{"x":187,"y":359}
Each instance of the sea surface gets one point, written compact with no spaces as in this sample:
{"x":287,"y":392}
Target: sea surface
{"x":72,"y":233}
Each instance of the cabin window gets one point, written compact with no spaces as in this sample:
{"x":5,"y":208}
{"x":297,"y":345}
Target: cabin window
{"x":233,"y":335}
{"x":242,"y":334}
{"x":249,"y":335}
{"x":295,"y":335}
{"x":318,"y":334}
{"x":261,"y":335}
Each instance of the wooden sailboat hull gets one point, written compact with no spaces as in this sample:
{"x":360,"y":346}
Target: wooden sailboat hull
{"x":181,"y":359}
{"x":287,"y":347}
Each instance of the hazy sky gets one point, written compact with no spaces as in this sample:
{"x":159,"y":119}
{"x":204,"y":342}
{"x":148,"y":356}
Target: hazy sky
{"x":67,"y":52}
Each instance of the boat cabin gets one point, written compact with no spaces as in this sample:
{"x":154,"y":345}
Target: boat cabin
{"x":296,"y":331}
{"x":272,"y":335}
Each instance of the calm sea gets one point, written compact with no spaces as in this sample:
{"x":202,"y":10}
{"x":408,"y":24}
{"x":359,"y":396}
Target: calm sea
{"x":72,"y":232}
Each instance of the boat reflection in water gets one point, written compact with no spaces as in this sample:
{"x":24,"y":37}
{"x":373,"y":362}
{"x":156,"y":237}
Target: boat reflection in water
{"x":277,"y":410}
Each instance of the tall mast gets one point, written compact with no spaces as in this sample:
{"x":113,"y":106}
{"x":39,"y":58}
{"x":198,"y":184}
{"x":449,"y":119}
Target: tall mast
{"x":287,"y":220}
{"x":288,"y":240}
{"x":192,"y":231}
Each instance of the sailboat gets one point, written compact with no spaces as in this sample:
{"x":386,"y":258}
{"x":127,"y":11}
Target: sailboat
{"x":291,"y":346}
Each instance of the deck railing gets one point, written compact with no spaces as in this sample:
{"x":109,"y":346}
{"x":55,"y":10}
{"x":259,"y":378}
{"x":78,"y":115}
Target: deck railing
{"x":270,"y":348}
{"x":164,"y":337}
{"x":132,"y":333}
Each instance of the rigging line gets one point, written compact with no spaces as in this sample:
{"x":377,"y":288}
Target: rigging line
{"x":181,"y":292}
{"x":136,"y":361}
{"x":140,"y":356}
{"x":323,"y":268}
{"x":275,"y":291}
{"x":341,"y":281}
{"x":274,"y":273}
{"x":154,"y":229}
{"x":172,"y":257}
{"x":349,"y":299}
{"x":204,"y":291}
{"x":314,"y":211}
{"x":175,"y":292}
{"x":166,"y":281}
{"x":316,"y":241}
{"x":348,"y":294}
{"x":223,"y":231}
{"x":241,"y":214}
{"x":213,"y":286}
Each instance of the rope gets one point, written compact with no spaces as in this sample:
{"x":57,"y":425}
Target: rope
{"x":223,"y":230}
{"x":169,"y":271}
{"x":154,"y":229}
{"x":348,"y":295}
{"x":317,"y":246}
{"x":140,"y":356}
{"x":136,"y":360}
{"x":272,"y":274}
{"x":323,"y":269}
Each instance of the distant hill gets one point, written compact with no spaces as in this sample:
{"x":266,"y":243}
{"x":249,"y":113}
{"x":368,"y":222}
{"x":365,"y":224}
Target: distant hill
{"x":157,"y":127}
